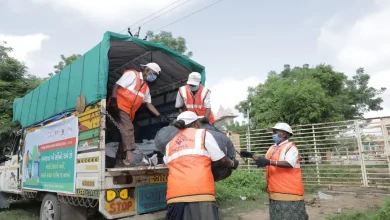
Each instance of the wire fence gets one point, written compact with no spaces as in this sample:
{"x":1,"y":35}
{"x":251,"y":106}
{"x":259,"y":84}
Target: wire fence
{"x":345,"y":153}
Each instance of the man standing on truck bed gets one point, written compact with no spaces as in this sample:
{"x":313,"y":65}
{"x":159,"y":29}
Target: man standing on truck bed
{"x":196,"y":98}
{"x":189,"y":156}
{"x":128,"y":94}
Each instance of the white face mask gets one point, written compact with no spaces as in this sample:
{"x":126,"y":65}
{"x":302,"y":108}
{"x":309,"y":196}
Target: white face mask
{"x":194,"y":88}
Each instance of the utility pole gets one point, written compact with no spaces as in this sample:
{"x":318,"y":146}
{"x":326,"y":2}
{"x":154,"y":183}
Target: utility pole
{"x":248,"y":128}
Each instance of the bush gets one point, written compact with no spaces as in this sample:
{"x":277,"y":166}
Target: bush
{"x":351,"y":216}
{"x":382,"y":214}
{"x":245,"y":183}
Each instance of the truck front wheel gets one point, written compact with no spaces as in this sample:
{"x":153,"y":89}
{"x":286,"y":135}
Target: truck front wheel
{"x":50,"y":208}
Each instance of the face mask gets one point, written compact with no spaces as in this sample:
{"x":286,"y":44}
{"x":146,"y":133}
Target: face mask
{"x":276,"y":138}
{"x":194,"y":88}
{"x":151,"y":78}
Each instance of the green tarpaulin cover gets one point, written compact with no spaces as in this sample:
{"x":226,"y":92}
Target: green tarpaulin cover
{"x":88,"y":75}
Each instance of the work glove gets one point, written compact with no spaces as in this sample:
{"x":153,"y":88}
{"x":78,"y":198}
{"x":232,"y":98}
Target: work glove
{"x":205,"y":120}
{"x":246,"y":154}
{"x":113,"y":109}
{"x":262,"y":162}
{"x":163,"y":119}
{"x":236,"y":163}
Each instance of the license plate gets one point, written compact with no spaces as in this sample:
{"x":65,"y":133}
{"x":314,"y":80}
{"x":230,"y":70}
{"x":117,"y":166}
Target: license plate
{"x":158,"y":178}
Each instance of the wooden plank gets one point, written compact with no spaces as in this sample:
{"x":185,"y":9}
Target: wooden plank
{"x":89,"y":144}
{"x":90,"y":134}
{"x":93,"y":110}
{"x":89,"y":124}
{"x":90,"y":109}
{"x":91,"y":114}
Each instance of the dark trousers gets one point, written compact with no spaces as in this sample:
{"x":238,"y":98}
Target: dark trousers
{"x":192,"y":211}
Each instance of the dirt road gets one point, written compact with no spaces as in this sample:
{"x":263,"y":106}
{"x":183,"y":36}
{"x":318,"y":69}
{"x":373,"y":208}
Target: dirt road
{"x":345,"y":199}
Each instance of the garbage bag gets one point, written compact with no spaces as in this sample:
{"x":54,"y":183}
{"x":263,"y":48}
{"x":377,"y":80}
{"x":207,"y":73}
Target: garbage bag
{"x":208,"y":127}
{"x":166,"y":134}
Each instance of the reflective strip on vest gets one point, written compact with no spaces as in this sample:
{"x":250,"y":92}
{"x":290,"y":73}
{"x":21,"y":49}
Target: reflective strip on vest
{"x":197,"y":150}
{"x":196,"y":103}
{"x":205,"y":91}
{"x":283,"y":180}
{"x":132,"y":89}
{"x":189,"y":167}
{"x":285,"y":150}
{"x":130,"y":99}
{"x":183,"y":92}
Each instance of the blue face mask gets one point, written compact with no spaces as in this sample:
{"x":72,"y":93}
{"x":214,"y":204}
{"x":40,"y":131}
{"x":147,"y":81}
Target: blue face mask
{"x":276,"y":139}
{"x":151,"y":78}
{"x":194,"y":88}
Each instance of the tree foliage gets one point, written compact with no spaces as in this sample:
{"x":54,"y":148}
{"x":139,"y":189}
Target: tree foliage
{"x":311,"y":95}
{"x":236,"y":127}
{"x":65,"y":61}
{"x":14,"y":83}
{"x":178,"y":44}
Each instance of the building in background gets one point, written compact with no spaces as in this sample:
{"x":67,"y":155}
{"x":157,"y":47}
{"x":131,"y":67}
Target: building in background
{"x":224,"y":117}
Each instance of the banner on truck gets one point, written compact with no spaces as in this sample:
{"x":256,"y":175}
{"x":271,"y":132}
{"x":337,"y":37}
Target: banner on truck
{"x":49,"y":158}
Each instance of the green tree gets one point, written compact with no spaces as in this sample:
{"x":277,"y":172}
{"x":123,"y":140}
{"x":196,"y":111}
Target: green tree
{"x":236,"y":127}
{"x":311,"y":95}
{"x":178,"y":44}
{"x":14,"y":83}
{"x":65,"y":61}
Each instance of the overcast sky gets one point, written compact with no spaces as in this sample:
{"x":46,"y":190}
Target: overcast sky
{"x":238,"y":42}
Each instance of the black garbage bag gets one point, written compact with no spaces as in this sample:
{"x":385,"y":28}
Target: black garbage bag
{"x":208,"y":127}
{"x":166,"y":134}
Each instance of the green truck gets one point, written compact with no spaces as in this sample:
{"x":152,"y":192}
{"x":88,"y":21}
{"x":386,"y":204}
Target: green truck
{"x":59,"y":156}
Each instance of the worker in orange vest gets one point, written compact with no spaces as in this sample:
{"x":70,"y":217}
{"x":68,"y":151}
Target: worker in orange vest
{"x":196,"y":98}
{"x":128,"y":95}
{"x":284,"y":176}
{"x":190,"y":187}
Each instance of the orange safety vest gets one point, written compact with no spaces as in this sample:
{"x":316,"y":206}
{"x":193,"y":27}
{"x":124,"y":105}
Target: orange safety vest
{"x":283,"y":180}
{"x":195,"y":103}
{"x":189,"y":165}
{"x":130,"y":99}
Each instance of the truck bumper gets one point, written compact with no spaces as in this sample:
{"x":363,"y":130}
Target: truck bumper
{"x":160,"y":215}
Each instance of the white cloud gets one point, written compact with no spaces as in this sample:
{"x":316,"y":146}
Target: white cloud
{"x":104,"y":11}
{"x":365,"y":43}
{"x":24,"y":45}
{"x":229,"y":92}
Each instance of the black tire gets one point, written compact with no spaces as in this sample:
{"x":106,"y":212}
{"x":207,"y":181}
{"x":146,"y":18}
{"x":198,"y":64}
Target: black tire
{"x":50,"y":208}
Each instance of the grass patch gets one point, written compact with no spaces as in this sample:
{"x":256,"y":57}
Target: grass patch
{"x":242,"y":184}
{"x":381,"y":214}
{"x":25,"y":210}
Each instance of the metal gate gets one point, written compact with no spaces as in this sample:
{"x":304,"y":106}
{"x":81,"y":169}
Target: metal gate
{"x":345,"y":153}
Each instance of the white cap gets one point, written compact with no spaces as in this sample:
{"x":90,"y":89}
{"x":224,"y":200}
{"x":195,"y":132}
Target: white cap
{"x":188,"y":117}
{"x":282,"y":127}
{"x":194,"y":79}
{"x":153,"y":66}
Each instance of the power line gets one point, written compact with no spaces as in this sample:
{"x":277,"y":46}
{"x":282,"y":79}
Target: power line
{"x":204,"y":8}
{"x":155,"y":13}
{"x":165,"y":13}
